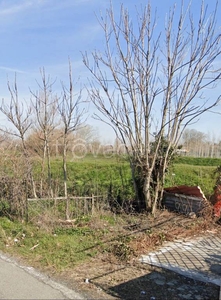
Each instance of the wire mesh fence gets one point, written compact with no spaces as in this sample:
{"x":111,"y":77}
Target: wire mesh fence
{"x":65,"y":208}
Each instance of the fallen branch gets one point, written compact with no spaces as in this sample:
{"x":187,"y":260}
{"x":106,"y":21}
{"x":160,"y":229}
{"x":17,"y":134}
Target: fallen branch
{"x":35,"y":246}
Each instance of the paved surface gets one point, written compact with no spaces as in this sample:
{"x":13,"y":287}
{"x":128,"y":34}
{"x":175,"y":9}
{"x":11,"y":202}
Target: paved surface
{"x":20,"y":282}
{"x":198,"y":259}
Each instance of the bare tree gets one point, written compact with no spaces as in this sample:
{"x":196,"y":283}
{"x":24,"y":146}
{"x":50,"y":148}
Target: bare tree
{"x":149,"y":86}
{"x":71,"y":118}
{"x":45,"y":108}
{"x":19,"y":113}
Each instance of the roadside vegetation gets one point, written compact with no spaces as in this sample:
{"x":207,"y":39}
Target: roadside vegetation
{"x":93,"y":244}
{"x":53,"y":242}
{"x":107,"y":179}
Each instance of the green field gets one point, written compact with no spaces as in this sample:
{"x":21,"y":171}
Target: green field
{"x":109,"y":178}
{"x":102,"y":175}
{"x":97,"y":176}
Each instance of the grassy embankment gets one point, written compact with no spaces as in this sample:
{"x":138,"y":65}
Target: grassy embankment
{"x":58,"y":247}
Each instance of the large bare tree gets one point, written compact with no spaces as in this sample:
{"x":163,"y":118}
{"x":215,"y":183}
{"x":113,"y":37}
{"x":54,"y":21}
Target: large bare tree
{"x":149,"y":84}
{"x":71,"y":118}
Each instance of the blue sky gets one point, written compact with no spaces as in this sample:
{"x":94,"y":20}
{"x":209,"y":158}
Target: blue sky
{"x":44,"y":33}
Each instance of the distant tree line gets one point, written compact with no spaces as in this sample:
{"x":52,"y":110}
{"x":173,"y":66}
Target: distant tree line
{"x":198,"y":144}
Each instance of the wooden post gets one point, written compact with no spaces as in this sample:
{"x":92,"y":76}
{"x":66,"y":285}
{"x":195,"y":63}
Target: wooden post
{"x":67,"y":211}
{"x":92,"y":204}
{"x":98,"y":206}
{"x":85,"y":206}
{"x":77,"y":207}
{"x":26,"y":201}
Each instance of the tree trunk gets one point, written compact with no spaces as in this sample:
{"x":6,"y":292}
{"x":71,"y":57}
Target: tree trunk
{"x":65,"y":178}
{"x":147,"y":192}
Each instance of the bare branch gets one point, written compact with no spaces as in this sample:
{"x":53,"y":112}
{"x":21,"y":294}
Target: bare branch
{"x":18,"y":113}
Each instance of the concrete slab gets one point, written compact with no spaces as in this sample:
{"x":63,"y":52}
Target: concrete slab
{"x":199,"y":258}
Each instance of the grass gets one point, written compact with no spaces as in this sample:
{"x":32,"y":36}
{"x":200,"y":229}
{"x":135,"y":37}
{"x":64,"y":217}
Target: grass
{"x":198,"y":161}
{"x":59,"y":248}
{"x":55,"y":248}
{"x":93,"y":175}
{"x":185,"y":174}
{"x":102,"y":175}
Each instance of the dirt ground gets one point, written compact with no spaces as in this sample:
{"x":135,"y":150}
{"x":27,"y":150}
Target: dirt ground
{"x":110,"y":277}
{"x":109,"y":281}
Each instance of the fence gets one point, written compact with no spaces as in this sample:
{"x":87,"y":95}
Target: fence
{"x":65,"y":208}
{"x":16,"y":200}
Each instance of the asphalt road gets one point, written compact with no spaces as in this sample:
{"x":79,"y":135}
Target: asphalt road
{"x":20,"y":282}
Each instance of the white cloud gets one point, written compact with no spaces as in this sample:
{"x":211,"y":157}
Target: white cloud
{"x":9,"y":70}
{"x":9,"y":8}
